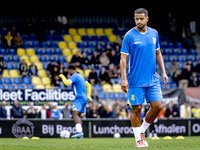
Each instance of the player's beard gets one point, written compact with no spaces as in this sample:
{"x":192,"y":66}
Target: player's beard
{"x":142,"y":26}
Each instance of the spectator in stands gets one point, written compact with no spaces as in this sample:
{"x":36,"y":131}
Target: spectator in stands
{"x":55,"y":112}
{"x":185,"y":110}
{"x":56,"y":27}
{"x":3,"y":112}
{"x":95,"y":60}
{"x":114,"y":59}
{"x":49,"y":110}
{"x":117,"y":107}
{"x":173,"y":67}
{"x":65,"y":72}
{"x":8,"y":40}
{"x":62,"y":19}
{"x":128,"y":110}
{"x":176,"y":77}
{"x":14,"y":31}
{"x":113,"y":75}
{"x":50,"y":67}
{"x":55,"y":72}
{"x":173,"y":30}
{"x":43,"y":112}
{"x":108,"y":50}
{"x":185,"y":77}
{"x":103,"y":77}
{"x":102,"y":111}
{"x":122,"y":114}
{"x":57,"y":82}
{"x":92,"y":78}
{"x":18,"y":40}
{"x":104,"y":60}
{"x":197,"y":68}
{"x":66,"y":111}
{"x":172,"y":111}
{"x":31,"y":112}
{"x":196,"y":110}
{"x":111,"y":113}
{"x":189,"y":42}
{"x":71,"y":20}
{"x":99,"y":50}
{"x":189,"y":62}
{"x":16,"y":111}
{"x":76,"y":60}
{"x":23,"y":69}
{"x":91,"y":111}
{"x":2,"y":65}
{"x":194,"y":80}
{"x":61,"y":68}
{"x":120,"y":39}
{"x":117,"y":50}
{"x":84,"y":61}
{"x":32,"y":71}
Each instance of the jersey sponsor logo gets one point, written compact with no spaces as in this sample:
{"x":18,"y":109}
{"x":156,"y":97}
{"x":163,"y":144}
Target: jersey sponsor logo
{"x":154,"y":40}
{"x":132,"y":97}
{"x":137,"y":42}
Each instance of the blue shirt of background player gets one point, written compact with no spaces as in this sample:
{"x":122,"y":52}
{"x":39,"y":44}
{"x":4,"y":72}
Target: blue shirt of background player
{"x":78,"y":87}
{"x":141,"y":65}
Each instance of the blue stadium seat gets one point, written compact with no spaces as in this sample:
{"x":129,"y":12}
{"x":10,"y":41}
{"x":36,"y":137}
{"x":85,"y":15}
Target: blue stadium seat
{"x":179,"y":45}
{"x":57,"y":51}
{"x":102,"y":95}
{"x":170,"y":81}
{"x":27,"y":80}
{"x":164,"y":87}
{"x":30,"y":86}
{"x":1,"y":82}
{"x":181,"y":58}
{"x":44,"y":44}
{"x":12,"y":51}
{"x":61,"y":58}
{"x":43,"y":59}
{"x":7,"y":81}
{"x":104,"y":38}
{"x":165,"y":58}
{"x":121,"y":95}
{"x":193,"y":52}
{"x":48,"y":51}
{"x":80,"y":45}
{"x":11,"y":86}
{"x":197,"y":57}
{"x":191,"y":57}
{"x":35,"y":44}
{"x":173,"y":85}
{"x":45,"y":65}
{"x":17,"y":65}
{"x":112,"y":25}
{"x":184,"y":51}
{"x":53,"y":44}
{"x":112,"y":95}
{"x":6,"y":59}
{"x":3,"y":51}
{"x":31,"y":37}
{"x":15,"y":58}
{"x":116,"y":31}
{"x":49,"y":37}
{"x":167,"y":51}
{"x":90,"y":45}
{"x":86,"y":38}
{"x":98,"y":87}
{"x":94,"y":38}
{"x":172,"y":57}
{"x":39,"y":51}
{"x":27,"y":44}
{"x":17,"y":81}
{"x":162,"y":44}
{"x":176,"y":51}
{"x":52,"y":57}
{"x":20,"y":86}
{"x":9,"y":66}
{"x":58,"y":37}
{"x":170,"y":45}
{"x":2,"y":86}
{"x":66,"y":64}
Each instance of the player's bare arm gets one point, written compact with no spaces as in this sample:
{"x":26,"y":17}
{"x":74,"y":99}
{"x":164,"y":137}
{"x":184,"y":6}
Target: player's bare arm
{"x":159,"y":61}
{"x":123,"y":67}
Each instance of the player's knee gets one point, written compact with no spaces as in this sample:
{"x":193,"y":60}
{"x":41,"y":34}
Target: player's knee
{"x":158,"y":106}
{"x":136,"y":109}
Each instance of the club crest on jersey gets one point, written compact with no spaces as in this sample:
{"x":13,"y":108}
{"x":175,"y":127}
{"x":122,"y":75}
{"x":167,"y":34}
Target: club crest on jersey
{"x":154,"y":40}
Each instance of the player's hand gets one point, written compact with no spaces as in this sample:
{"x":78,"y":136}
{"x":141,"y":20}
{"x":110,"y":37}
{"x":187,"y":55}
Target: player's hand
{"x":165,"y":79}
{"x":90,"y":99}
{"x":124,"y":85}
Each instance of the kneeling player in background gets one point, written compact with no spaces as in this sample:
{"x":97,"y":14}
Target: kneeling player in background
{"x":82,"y":91}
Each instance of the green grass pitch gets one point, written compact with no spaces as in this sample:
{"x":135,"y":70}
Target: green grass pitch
{"x":189,"y":143}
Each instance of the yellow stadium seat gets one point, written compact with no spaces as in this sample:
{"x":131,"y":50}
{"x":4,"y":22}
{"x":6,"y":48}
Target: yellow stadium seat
{"x":21,"y":51}
{"x":107,"y":88}
{"x":108,"y":31}
{"x":42,"y":73}
{"x":81,"y":31}
{"x":77,"y":38}
{"x":72,"y":31}
{"x":36,"y":80}
{"x":74,"y":51}
{"x":30,"y":51}
{"x":46,"y":80}
{"x":14,"y":73}
{"x":67,"y":38}
{"x":39,"y":66}
{"x":66,"y":52}
{"x":39,"y":86}
{"x":72,"y":45}
{"x":62,"y":44}
{"x":25,"y":57}
{"x":80,"y":71}
{"x":69,"y":58}
{"x":87,"y":72}
{"x":117,"y":88}
{"x":99,"y":31}
{"x":90,"y":31}
{"x":34,"y":59}
{"x":5,"y":74}
{"x":48,"y":86}
{"x":112,"y":38}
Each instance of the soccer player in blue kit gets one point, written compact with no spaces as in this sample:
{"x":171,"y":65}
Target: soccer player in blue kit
{"x":139,"y":54}
{"x":82,"y":91}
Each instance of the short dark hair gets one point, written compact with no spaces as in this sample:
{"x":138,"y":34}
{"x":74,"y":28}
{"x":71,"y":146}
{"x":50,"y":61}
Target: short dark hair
{"x":141,"y":11}
{"x":71,"y":66}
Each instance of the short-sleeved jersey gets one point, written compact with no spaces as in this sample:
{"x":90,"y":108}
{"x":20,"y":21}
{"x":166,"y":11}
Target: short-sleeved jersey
{"x":141,"y":65}
{"x":79,"y":87}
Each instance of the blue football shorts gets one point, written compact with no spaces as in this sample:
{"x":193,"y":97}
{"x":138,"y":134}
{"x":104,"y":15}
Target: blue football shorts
{"x":79,"y":105}
{"x":137,"y":95}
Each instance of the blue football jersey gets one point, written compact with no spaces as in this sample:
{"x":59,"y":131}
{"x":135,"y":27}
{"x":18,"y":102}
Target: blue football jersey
{"x":141,"y":65}
{"x":79,"y":87}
